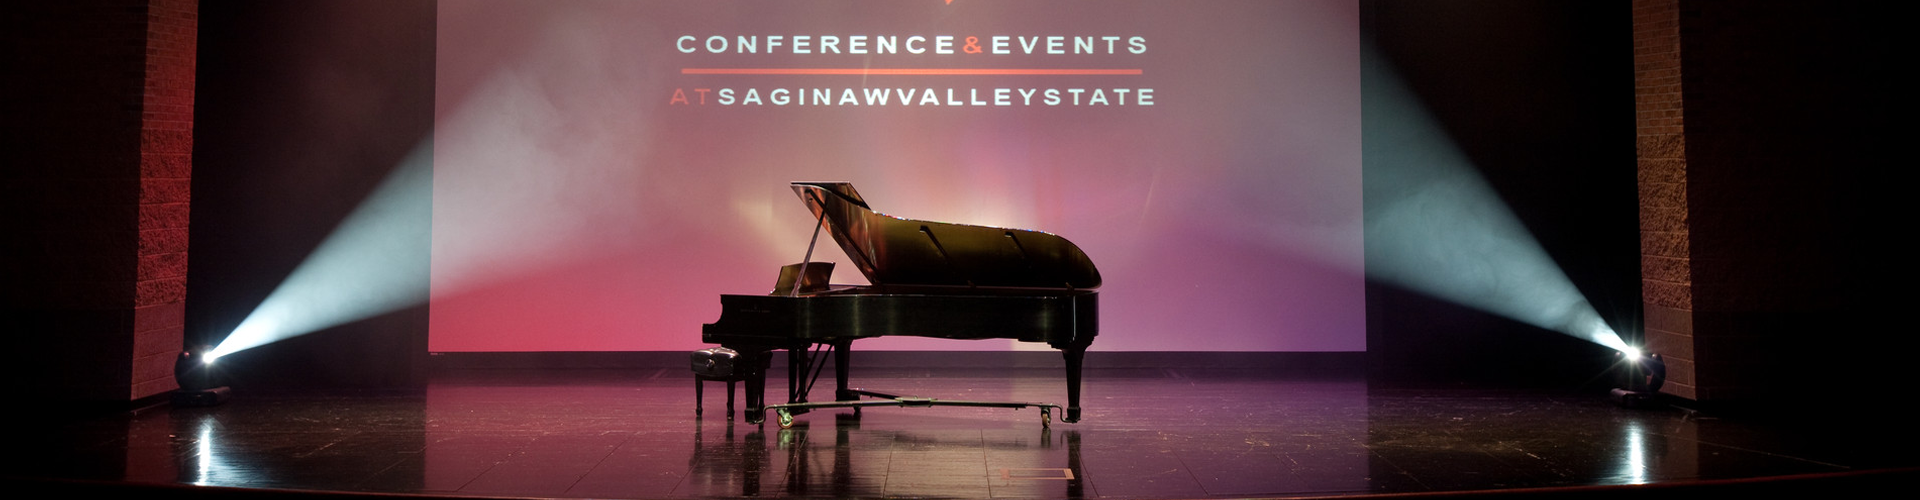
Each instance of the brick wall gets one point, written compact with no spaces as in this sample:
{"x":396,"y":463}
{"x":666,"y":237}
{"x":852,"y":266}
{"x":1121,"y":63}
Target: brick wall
{"x":1761,"y":127}
{"x":98,"y":124}
{"x":1660,"y":147}
{"x":166,"y":169}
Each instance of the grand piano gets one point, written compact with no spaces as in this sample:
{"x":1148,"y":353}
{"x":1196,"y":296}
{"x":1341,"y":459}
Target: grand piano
{"x":928,"y":279}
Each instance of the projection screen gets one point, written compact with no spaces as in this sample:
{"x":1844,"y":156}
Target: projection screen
{"x":605,"y":170}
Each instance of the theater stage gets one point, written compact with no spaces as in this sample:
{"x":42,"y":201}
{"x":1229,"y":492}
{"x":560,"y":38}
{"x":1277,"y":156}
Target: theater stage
{"x":1148,"y":433}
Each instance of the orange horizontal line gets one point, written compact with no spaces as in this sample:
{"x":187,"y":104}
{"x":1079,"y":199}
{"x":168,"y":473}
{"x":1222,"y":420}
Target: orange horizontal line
{"x":904,"y":71}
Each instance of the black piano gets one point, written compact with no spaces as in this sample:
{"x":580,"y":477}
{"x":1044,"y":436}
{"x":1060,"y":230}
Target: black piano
{"x":928,"y":279}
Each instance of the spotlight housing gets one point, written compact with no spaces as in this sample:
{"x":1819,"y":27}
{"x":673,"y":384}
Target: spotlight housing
{"x":1650,"y":372}
{"x":193,"y":370}
{"x":1645,"y":373}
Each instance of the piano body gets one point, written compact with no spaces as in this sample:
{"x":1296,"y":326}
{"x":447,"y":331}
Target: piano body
{"x":928,"y":279}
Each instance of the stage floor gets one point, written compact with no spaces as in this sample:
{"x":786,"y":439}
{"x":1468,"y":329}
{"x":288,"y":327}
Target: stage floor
{"x":1146,"y":434}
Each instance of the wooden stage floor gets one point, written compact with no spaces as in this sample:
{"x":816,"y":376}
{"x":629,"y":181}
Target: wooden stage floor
{"x":1147,"y":434}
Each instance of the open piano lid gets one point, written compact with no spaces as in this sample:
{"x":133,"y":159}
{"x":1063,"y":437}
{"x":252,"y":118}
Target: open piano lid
{"x":893,"y":251}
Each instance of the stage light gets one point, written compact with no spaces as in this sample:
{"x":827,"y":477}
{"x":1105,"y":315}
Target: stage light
{"x":1649,"y":373}
{"x":193,"y":370}
{"x":1645,"y":373}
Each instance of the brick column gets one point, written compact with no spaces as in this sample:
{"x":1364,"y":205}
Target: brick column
{"x":166,"y":170}
{"x":1665,"y":254}
{"x":98,"y":121}
{"x":1766,"y":145}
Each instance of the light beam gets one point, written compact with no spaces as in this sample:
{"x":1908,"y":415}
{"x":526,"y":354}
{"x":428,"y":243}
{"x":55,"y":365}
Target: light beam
{"x":367,"y":266}
{"x":1435,"y":226}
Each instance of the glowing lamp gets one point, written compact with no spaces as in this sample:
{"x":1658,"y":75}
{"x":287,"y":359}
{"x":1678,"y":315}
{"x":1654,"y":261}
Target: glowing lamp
{"x":193,"y":370}
{"x":1649,"y":373}
{"x":1645,"y":372}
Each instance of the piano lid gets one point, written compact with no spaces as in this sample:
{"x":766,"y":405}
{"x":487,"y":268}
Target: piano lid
{"x":895,"y":251}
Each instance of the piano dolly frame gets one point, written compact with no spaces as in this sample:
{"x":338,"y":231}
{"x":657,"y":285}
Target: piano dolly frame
{"x":785,"y":412}
{"x":800,"y":382}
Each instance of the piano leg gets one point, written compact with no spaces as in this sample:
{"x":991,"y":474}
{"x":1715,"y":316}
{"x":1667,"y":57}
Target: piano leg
{"x":1074,"y":354}
{"x":842,"y":360}
{"x":756,"y":397}
{"x":797,"y":370}
{"x":756,"y":364}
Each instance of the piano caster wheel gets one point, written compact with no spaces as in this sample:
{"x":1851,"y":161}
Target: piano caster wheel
{"x":786,"y":419}
{"x":1046,"y":418}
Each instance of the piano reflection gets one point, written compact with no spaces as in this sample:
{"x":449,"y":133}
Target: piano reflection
{"x":928,"y":279}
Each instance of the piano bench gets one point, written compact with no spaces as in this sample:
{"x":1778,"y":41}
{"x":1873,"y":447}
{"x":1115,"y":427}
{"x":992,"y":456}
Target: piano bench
{"x":699,"y":391}
{"x":719,"y":365}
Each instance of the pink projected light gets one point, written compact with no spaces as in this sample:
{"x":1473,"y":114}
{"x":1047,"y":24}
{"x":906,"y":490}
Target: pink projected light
{"x":603,"y":171}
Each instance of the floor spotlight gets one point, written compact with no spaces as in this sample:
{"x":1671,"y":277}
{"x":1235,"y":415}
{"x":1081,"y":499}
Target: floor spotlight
{"x":1646,"y":372}
{"x":193,"y":369}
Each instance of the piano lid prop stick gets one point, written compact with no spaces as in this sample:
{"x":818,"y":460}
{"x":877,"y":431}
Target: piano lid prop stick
{"x":800,"y":280}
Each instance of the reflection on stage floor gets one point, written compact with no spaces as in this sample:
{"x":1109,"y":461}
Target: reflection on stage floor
{"x":1147,"y":434}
